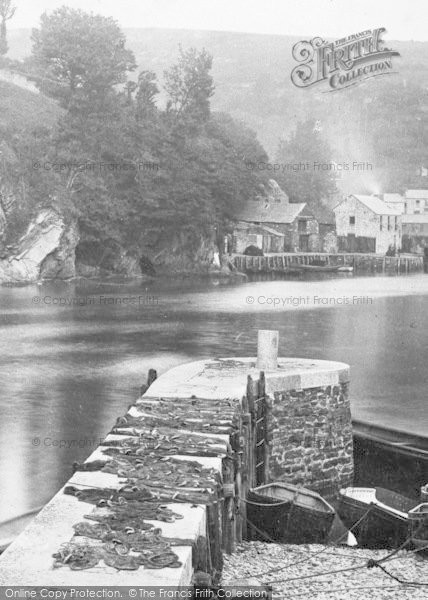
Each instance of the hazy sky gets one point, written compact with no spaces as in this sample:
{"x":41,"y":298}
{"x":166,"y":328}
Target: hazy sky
{"x":330,"y":18}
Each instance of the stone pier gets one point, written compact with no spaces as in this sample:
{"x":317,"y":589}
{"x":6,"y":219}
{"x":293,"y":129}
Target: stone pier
{"x":310,"y":438}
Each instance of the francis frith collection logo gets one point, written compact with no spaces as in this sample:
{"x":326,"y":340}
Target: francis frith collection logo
{"x":342,"y":63}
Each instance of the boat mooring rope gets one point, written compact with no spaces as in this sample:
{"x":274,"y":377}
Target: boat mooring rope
{"x":312,"y":554}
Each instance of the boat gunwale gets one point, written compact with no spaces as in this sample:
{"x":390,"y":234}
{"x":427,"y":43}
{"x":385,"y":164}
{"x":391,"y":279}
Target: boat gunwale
{"x":383,"y":508}
{"x":328,"y":508}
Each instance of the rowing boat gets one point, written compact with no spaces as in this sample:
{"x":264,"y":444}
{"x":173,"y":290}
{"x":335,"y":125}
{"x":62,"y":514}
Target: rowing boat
{"x":289,"y":514}
{"x":378,"y":517}
{"x":322,"y":268}
{"x":418,"y":521}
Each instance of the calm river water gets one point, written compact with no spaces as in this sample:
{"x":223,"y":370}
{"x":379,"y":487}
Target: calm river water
{"x":67,"y":372}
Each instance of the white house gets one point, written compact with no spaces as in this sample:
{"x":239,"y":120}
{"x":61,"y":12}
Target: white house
{"x":416,"y":202}
{"x":367,"y":224}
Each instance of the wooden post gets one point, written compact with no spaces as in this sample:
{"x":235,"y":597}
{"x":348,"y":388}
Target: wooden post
{"x":251,"y":396}
{"x":229,"y":532}
{"x":266,"y":425}
{"x":152,"y":375}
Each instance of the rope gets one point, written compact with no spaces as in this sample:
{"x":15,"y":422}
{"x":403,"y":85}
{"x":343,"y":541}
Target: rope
{"x":375,"y":563}
{"x":403,"y":545}
{"x":311,"y":554}
{"x":416,"y":550}
{"x":370,"y":564}
{"x":355,"y":568}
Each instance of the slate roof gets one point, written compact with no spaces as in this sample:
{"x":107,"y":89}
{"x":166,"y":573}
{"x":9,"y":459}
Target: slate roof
{"x":261,"y":229}
{"x":376,"y":205}
{"x":263,"y":211}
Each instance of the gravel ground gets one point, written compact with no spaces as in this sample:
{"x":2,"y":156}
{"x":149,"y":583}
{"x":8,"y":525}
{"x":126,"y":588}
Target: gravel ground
{"x":297,"y":562}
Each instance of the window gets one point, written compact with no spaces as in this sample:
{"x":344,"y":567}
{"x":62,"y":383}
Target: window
{"x":389,"y":223}
{"x":396,"y":223}
{"x":301,"y":225}
{"x":380,"y":222}
{"x":351,"y":220}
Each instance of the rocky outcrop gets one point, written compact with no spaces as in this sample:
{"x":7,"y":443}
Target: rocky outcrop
{"x":97,"y":258}
{"x":187,"y":255}
{"x":46,"y":251}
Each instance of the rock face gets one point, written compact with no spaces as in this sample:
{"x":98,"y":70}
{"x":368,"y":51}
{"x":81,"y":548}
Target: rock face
{"x":100,"y":258}
{"x":46,"y":251}
{"x":182,"y":255}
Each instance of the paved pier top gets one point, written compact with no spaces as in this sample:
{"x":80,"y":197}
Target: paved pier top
{"x":227,"y":377}
{"x":28,"y":561}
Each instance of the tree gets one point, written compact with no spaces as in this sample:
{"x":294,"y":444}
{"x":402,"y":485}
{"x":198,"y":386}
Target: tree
{"x":308,"y":149}
{"x":147,"y":90}
{"x":80,"y":57}
{"x":6,"y":13}
{"x":189,"y":85}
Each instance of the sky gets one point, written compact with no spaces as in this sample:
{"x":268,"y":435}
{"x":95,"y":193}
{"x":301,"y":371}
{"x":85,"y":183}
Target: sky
{"x":327,"y":18}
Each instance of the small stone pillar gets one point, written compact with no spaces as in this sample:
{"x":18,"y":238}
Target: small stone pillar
{"x":267,"y":350}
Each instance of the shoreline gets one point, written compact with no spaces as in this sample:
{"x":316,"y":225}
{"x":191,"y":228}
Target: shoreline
{"x":231,"y":277}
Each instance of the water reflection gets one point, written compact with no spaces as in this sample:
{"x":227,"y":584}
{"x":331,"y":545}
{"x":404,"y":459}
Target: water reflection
{"x":67,"y":372}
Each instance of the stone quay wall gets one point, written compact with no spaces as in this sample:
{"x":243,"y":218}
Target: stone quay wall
{"x":311,"y":438}
{"x":200,"y":415}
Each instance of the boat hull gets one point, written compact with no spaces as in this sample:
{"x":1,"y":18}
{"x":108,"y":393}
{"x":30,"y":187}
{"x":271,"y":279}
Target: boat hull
{"x":380,"y":526}
{"x":287,"y":521}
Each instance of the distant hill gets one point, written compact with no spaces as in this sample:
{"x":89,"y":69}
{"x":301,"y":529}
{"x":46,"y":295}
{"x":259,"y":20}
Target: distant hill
{"x":252,"y":78}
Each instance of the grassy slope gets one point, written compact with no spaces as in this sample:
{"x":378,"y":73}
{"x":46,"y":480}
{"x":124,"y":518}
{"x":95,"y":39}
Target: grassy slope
{"x":23,"y":110}
{"x":252,"y":78}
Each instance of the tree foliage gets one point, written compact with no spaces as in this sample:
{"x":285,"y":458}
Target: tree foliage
{"x":7,"y":11}
{"x":129,"y":170}
{"x":189,"y":85}
{"x":305,"y":149}
{"x":79,"y":57}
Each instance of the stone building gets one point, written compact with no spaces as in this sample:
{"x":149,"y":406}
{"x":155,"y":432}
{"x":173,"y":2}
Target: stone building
{"x":327,"y":227}
{"x":274,"y":224}
{"x":415,"y":233}
{"x":416,"y":202}
{"x":367,"y":224}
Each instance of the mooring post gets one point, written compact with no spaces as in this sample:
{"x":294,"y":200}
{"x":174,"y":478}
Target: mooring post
{"x":424,"y":493}
{"x":267,"y":350}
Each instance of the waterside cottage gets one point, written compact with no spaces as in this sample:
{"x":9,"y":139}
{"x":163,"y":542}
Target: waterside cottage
{"x":367,"y":224}
{"x":274,"y":224}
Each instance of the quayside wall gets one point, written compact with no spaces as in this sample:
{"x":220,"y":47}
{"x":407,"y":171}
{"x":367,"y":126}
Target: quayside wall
{"x":182,"y":461}
{"x":360,"y":263}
